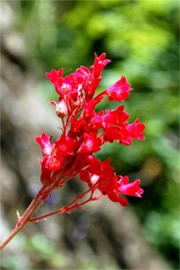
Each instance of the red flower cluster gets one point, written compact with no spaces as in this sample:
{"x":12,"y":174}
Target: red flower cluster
{"x":84,"y":131}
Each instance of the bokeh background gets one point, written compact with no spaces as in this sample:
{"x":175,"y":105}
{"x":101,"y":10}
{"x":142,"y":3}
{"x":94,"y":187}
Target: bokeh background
{"x":141,"y":39}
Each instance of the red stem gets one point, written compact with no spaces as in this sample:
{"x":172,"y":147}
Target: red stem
{"x":72,"y":205}
{"x":100,"y":94}
{"x":24,"y":219}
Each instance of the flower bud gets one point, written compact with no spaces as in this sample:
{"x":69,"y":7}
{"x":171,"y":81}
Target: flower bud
{"x":61,"y":109}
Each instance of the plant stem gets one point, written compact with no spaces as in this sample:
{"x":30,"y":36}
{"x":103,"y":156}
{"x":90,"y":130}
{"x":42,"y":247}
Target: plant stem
{"x":35,"y":204}
{"x":69,"y":207}
{"x":23,"y":221}
{"x":37,"y":219}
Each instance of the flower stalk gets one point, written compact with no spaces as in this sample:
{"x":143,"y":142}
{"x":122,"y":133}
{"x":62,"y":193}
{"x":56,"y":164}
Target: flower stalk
{"x":22,"y":221}
{"x":83,"y":133}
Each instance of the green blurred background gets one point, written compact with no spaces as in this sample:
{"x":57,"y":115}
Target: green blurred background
{"x":141,"y":39}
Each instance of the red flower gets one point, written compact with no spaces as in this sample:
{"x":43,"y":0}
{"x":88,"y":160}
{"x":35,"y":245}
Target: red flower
{"x":115,"y":117}
{"x":45,"y":143}
{"x":90,"y":144}
{"x":119,"y":91}
{"x":65,"y":145}
{"x":88,"y":110}
{"x":91,"y":87}
{"x":99,"y":64}
{"x":136,"y":130}
{"x":97,"y":120}
{"x":77,"y":127}
{"x":130,"y":189}
{"x":106,"y":180}
{"x":115,"y":197}
{"x":53,"y":163}
{"x":54,"y":75}
{"x":84,"y":131}
{"x":45,"y":173}
{"x":61,"y":108}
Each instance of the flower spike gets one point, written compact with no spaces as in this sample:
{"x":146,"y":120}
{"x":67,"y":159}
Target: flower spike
{"x":83,"y":132}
